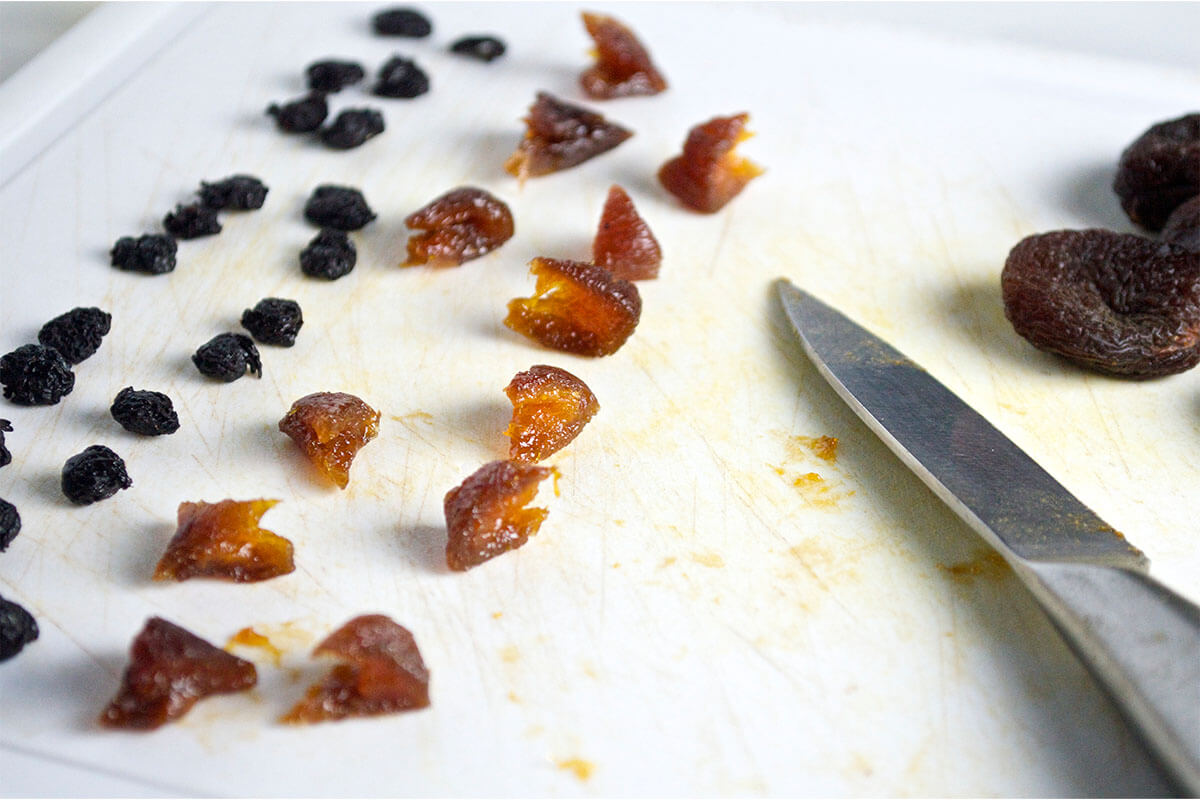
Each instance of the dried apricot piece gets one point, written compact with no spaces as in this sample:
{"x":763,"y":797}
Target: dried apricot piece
{"x":623,"y":67}
{"x":709,"y":174}
{"x":1183,"y":226}
{"x":624,"y":243}
{"x":577,"y":307}
{"x":1160,"y":170}
{"x":486,"y":514}
{"x":463,"y":224}
{"x":559,"y":135}
{"x":330,"y":428}
{"x":1113,"y":302}
{"x":550,"y":408}
{"x":223,"y":540}
{"x":382,"y":673}
{"x":169,"y":670}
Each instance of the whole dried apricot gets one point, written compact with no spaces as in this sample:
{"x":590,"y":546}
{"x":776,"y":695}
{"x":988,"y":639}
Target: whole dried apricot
{"x":559,"y":135}
{"x":223,"y":540}
{"x":708,"y":174}
{"x":624,"y":243}
{"x":486,"y":514}
{"x":623,"y":67}
{"x":463,"y":224}
{"x":330,"y":428}
{"x":550,"y":408}
{"x":1160,"y":170}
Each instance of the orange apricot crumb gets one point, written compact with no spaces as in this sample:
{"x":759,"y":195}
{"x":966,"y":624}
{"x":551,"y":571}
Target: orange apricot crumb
{"x":486,"y":514}
{"x":709,"y":173}
{"x":330,"y":428}
{"x":624,"y":243}
{"x":550,"y":408}
{"x":463,"y":224}
{"x":559,"y":135}
{"x":223,"y":540}
{"x":623,"y":67}
{"x":248,"y":637}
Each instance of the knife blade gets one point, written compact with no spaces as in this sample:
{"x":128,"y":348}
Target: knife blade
{"x":1138,"y":638}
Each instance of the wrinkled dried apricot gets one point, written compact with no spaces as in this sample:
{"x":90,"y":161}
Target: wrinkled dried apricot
{"x":550,"y":408}
{"x":382,"y":673}
{"x":559,"y":135}
{"x":709,"y":173}
{"x":1183,"y":226}
{"x":486,"y":514}
{"x":330,"y":428}
{"x":623,"y":67}
{"x":624,"y":243}
{"x":463,"y":224}
{"x":577,"y":307}
{"x":1160,"y":170}
{"x":223,"y":540}
{"x":1114,"y":302}
{"x":169,"y":670}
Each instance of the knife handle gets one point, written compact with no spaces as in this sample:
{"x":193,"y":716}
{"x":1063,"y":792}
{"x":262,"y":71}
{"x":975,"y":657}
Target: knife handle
{"x":1141,"y":641}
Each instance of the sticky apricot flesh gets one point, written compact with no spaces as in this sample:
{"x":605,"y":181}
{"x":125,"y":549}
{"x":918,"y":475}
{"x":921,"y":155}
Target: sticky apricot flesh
{"x":486,"y":514}
{"x":624,"y":243}
{"x":461,"y":225}
{"x":330,"y":428}
{"x":550,"y":408}
{"x":708,"y":174}
{"x":559,"y":135}
{"x":223,"y":540}
{"x":623,"y":66}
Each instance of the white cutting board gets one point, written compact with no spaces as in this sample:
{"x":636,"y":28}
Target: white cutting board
{"x":688,"y":621}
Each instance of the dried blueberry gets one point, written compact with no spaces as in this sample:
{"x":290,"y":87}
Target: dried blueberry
{"x":330,"y":255}
{"x":402,"y":22}
{"x":5,"y":456}
{"x":17,"y":629}
{"x":227,"y":356}
{"x":300,"y":116}
{"x":77,"y":333}
{"x":235,"y":193}
{"x":192,"y":221}
{"x":401,"y":77}
{"x":95,"y":474}
{"x":483,"y":48}
{"x":274,"y":320}
{"x":333,"y":76}
{"x":153,"y":254}
{"x":338,"y":207}
{"x":145,"y":412}
{"x":35,"y":375}
{"x":10,"y":524}
{"x":351,"y":128}
{"x":1160,"y":170}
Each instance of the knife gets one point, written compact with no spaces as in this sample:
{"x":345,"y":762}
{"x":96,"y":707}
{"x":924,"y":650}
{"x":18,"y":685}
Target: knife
{"x":1139,"y":639}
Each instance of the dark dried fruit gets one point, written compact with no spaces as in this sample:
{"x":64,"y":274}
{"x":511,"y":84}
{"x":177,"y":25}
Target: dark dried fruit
{"x":10,"y":524}
{"x":401,"y":77}
{"x":34,"y":375}
{"x":624,"y":243}
{"x":330,"y":428}
{"x":481,"y":48}
{"x":709,"y":174}
{"x":192,"y":221}
{"x":333,"y":75}
{"x":93,"y":475}
{"x":623,"y":67}
{"x":463,"y":224}
{"x":1160,"y":170}
{"x":330,"y":255}
{"x":486,"y":515}
{"x":1183,"y":226}
{"x":76,"y":334}
{"x":559,"y":135}
{"x":304,"y":115}
{"x":17,"y":629}
{"x":338,"y":207}
{"x":227,"y":356}
{"x":224,"y":541}
{"x":550,"y":408}
{"x":274,"y":320}
{"x":1113,"y":302}
{"x":352,"y":127}
{"x":235,"y":193}
{"x":145,"y":412}
{"x":169,"y":670}
{"x":5,"y":456}
{"x":152,"y":254}
{"x":402,"y":22}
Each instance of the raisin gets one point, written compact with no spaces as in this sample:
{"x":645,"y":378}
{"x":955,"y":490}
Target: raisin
{"x":224,"y":541}
{"x":481,"y":48}
{"x":486,"y":514}
{"x":559,"y":135}
{"x":577,"y":307}
{"x":382,"y":672}
{"x":17,"y":628}
{"x":304,"y":115}
{"x":1160,"y":170}
{"x":624,"y":243}
{"x":1116,"y":303}
{"x":330,"y":428}
{"x":145,"y":412}
{"x":93,"y":475}
{"x":550,"y":408}
{"x":463,"y":224}
{"x":5,"y":456}
{"x":152,"y":254}
{"x":333,"y":76}
{"x":709,"y":174}
{"x":10,"y":524}
{"x":170,"y":669}
{"x":274,"y":320}
{"x":338,"y":207}
{"x":352,"y":127}
{"x":235,"y":193}
{"x":623,"y":67}
{"x":1183,"y":226}
{"x":34,"y":375}
{"x":402,"y":78}
{"x":227,"y":356}
{"x":330,"y":255}
{"x":192,"y":221}
{"x":402,"y":22}
{"x":76,"y":334}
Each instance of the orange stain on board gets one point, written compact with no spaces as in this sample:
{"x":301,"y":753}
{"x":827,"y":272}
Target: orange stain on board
{"x":248,"y":637}
{"x":581,"y":767}
{"x":988,"y":566}
{"x":823,"y":447}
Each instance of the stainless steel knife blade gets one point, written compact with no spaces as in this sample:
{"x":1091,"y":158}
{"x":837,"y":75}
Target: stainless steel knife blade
{"x":1136,"y":636}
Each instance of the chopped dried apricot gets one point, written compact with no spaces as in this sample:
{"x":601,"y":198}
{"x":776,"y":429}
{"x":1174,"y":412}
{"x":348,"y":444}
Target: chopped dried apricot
{"x":223,"y":540}
{"x":577,"y":307}
{"x":486,"y":514}
{"x":623,"y":67}
{"x":169,"y":670}
{"x":709,"y":174}
{"x":559,"y":135}
{"x":331,"y":427}
{"x":382,"y":673}
{"x":550,"y":408}
{"x":624,"y":243}
{"x":463,"y":224}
